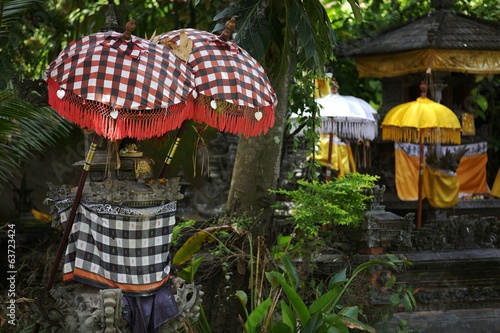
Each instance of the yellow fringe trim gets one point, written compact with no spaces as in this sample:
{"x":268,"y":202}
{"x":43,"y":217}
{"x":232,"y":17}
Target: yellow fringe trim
{"x":430,"y":135}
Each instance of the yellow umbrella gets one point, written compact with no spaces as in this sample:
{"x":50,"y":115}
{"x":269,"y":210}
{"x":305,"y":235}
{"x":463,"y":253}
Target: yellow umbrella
{"x":421,"y":121}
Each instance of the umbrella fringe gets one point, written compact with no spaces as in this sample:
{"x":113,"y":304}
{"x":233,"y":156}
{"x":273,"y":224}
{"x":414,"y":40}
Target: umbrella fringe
{"x":236,"y":120}
{"x":129,"y":123}
{"x":350,"y":129}
{"x":430,"y":135}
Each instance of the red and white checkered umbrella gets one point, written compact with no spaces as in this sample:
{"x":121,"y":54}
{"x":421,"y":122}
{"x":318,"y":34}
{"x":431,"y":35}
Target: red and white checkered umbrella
{"x":232,"y":90}
{"x":120,"y":86}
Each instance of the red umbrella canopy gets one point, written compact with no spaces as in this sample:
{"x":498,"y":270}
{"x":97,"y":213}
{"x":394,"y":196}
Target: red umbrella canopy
{"x":232,"y":90}
{"x":120,"y":86}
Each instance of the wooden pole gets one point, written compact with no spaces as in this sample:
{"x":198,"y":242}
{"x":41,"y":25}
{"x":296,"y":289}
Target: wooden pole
{"x":173,"y":148}
{"x":71,"y":218}
{"x":329,"y":159}
{"x":72,"y":214}
{"x":420,"y":181}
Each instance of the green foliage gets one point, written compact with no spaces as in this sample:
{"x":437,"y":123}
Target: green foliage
{"x":279,"y":33}
{"x":323,"y":314}
{"x":401,"y":295}
{"x":194,"y":243}
{"x":281,"y":298}
{"x":303,"y":116}
{"x":24,"y":131}
{"x":484,"y":9}
{"x":188,"y":272}
{"x":179,"y":228}
{"x":32,"y":33}
{"x":341,"y":201}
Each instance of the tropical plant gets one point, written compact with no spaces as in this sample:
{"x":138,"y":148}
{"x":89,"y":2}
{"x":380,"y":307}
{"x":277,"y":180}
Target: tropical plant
{"x":293,"y":302}
{"x":341,"y":201}
{"x":449,"y":160}
{"x":24,"y":131}
{"x":285,"y":310}
{"x":201,"y":324}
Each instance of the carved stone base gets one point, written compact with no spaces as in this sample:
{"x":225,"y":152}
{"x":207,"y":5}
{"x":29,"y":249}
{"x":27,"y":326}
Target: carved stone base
{"x":81,"y":308}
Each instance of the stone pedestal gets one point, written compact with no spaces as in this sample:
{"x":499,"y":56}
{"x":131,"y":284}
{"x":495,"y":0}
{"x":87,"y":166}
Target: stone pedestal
{"x":381,"y":231}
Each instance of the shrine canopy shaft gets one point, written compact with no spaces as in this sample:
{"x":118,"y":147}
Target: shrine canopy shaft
{"x":442,"y":41}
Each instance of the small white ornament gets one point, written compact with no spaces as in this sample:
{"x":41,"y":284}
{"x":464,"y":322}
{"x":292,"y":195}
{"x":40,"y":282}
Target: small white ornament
{"x":195,"y":94}
{"x":258,"y":115}
{"x":213,"y":104}
{"x":114,"y":114}
{"x":60,"y":93}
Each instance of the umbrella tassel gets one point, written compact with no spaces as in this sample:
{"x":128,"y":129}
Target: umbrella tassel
{"x":233,"y":121}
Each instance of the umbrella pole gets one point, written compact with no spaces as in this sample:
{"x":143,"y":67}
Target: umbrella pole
{"x":420,"y":182}
{"x":173,"y":148}
{"x":71,"y":218}
{"x":72,"y":214}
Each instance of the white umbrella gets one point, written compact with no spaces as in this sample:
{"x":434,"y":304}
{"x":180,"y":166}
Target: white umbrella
{"x":353,"y":117}
{"x":347,"y":117}
{"x":371,"y":113}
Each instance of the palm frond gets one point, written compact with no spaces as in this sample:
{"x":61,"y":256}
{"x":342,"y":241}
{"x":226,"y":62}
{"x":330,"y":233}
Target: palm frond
{"x":25,"y":130}
{"x":12,"y":11}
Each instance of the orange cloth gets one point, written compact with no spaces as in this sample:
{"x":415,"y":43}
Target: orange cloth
{"x":406,"y":174}
{"x":496,"y":185}
{"x":471,"y":172}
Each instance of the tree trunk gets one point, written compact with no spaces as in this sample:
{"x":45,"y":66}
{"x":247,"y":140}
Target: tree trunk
{"x":256,"y":171}
{"x":257,"y":168}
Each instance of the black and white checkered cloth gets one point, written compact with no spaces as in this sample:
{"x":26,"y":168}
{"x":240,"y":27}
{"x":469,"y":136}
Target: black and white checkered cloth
{"x":119,"y":247}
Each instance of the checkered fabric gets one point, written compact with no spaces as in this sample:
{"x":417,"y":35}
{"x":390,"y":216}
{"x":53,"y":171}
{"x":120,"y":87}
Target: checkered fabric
{"x":119,"y":247}
{"x":120,"y":88}
{"x":232,"y":89}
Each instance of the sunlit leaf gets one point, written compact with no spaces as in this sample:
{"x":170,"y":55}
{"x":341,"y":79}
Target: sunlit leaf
{"x":194,"y":243}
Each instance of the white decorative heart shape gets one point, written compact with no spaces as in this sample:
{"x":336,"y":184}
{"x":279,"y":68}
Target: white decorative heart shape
{"x":213,"y":104}
{"x":258,"y":115}
{"x":60,"y":93}
{"x":114,"y":114}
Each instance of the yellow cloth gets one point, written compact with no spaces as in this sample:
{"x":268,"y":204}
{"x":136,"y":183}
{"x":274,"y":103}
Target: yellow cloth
{"x":41,"y":216}
{"x":322,"y":87}
{"x":468,"y":126}
{"x":441,"y":189}
{"x":342,"y":156}
{"x":495,"y":190}
{"x":462,"y":61}
{"x":471,"y":171}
